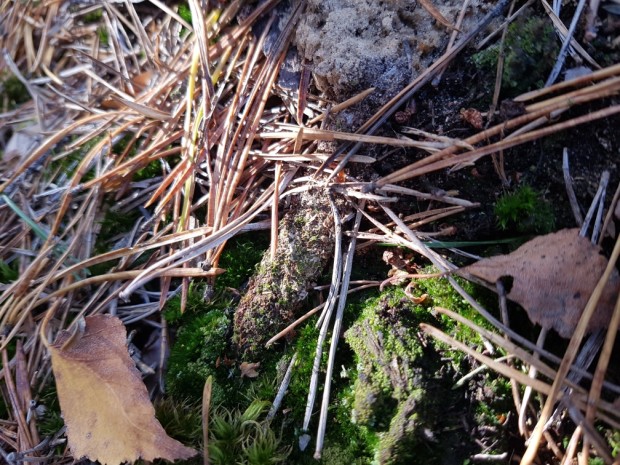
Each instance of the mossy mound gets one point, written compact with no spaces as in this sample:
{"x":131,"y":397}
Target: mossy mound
{"x":280,"y":286}
{"x":405,"y":386}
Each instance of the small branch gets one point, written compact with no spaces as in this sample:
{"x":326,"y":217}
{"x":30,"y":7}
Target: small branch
{"x":335,"y":337}
{"x":282,"y":390}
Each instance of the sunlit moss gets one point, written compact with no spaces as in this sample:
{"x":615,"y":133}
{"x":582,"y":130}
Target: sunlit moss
{"x":94,"y":16}
{"x":201,"y":346}
{"x":199,"y":353}
{"x":525,"y":211}
{"x":104,"y":36}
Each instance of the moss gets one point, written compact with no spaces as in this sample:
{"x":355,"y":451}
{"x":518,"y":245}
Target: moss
{"x":399,"y":444}
{"x":104,"y":37}
{"x":94,"y":16}
{"x":185,"y":12}
{"x":124,"y":143}
{"x":524,"y":211}
{"x":613,"y":437}
{"x":8,"y":272}
{"x":153,"y":169}
{"x":203,"y":331}
{"x":241,"y":437}
{"x":15,"y":91}
{"x":280,"y":286}
{"x":345,"y":442}
{"x":305,"y":346}
{"x":530,"y":50}
{"x":403,"y":378}
{"x":51,"y":422}
{"x":112,"y":225}
{"x":182,"y":420}
{"x":68,"y":163}
{"x":199,"y":353}
{"x":240,"y":258}
{"x":237,"y":435}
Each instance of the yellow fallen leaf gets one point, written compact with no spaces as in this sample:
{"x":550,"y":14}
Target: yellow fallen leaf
{"x":105,"y":404}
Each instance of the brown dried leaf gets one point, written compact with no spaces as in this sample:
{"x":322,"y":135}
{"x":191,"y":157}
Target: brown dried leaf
{"x":103,"y":400}
{"x":249,"y":369}
{"x":473,"y":117}
{"x":553,"y":278}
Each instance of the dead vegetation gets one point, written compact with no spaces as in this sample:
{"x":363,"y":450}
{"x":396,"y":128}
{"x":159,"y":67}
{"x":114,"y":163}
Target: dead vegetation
{"x":177,"y":125}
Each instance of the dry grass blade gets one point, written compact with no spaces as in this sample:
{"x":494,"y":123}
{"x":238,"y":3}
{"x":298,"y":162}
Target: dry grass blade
{"x":502,"y":368}
{"x":206,"y":409}
{"x":471,"y":157}
{"x":119,"y":115}
{"x":346,"y":277}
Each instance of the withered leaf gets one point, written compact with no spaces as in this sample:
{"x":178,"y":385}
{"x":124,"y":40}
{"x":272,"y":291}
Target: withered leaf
{"x":103,"y":400}
{"x":249,"y":369}
{"x":553,"y":278}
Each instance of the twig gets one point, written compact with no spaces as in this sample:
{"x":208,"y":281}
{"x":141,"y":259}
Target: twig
{"x":324,"y":319}
{"x":334,"y":287}
{"x":562,"y":32}
{"x":599,"y":197}
{"x":555,"y":72}
{"x":506,"y":22}
{"x":346,"y":276}
{"x":206,"y":408}
{"x":468,"y":159}
{"x":532,"y":373}
{"x":489,"y":458}
{"x":453,"y":36}
{"x":314,"y":311}
{"x":282,"y":390}
{"x":570,"y":191}
{"x":610,"y":214}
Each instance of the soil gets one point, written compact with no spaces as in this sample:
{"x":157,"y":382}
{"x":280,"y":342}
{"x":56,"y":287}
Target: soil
{"x":592,"y":150}
{"x":354,"y":45}
{"x":351,"y":46}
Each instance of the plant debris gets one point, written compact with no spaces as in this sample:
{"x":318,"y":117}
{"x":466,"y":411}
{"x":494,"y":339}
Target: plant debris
{"x":104,"y":402}
{"x":553,"y":277}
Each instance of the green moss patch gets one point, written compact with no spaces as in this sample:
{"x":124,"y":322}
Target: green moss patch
{"x":531,"y":47}
{"x":525,"y":211}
